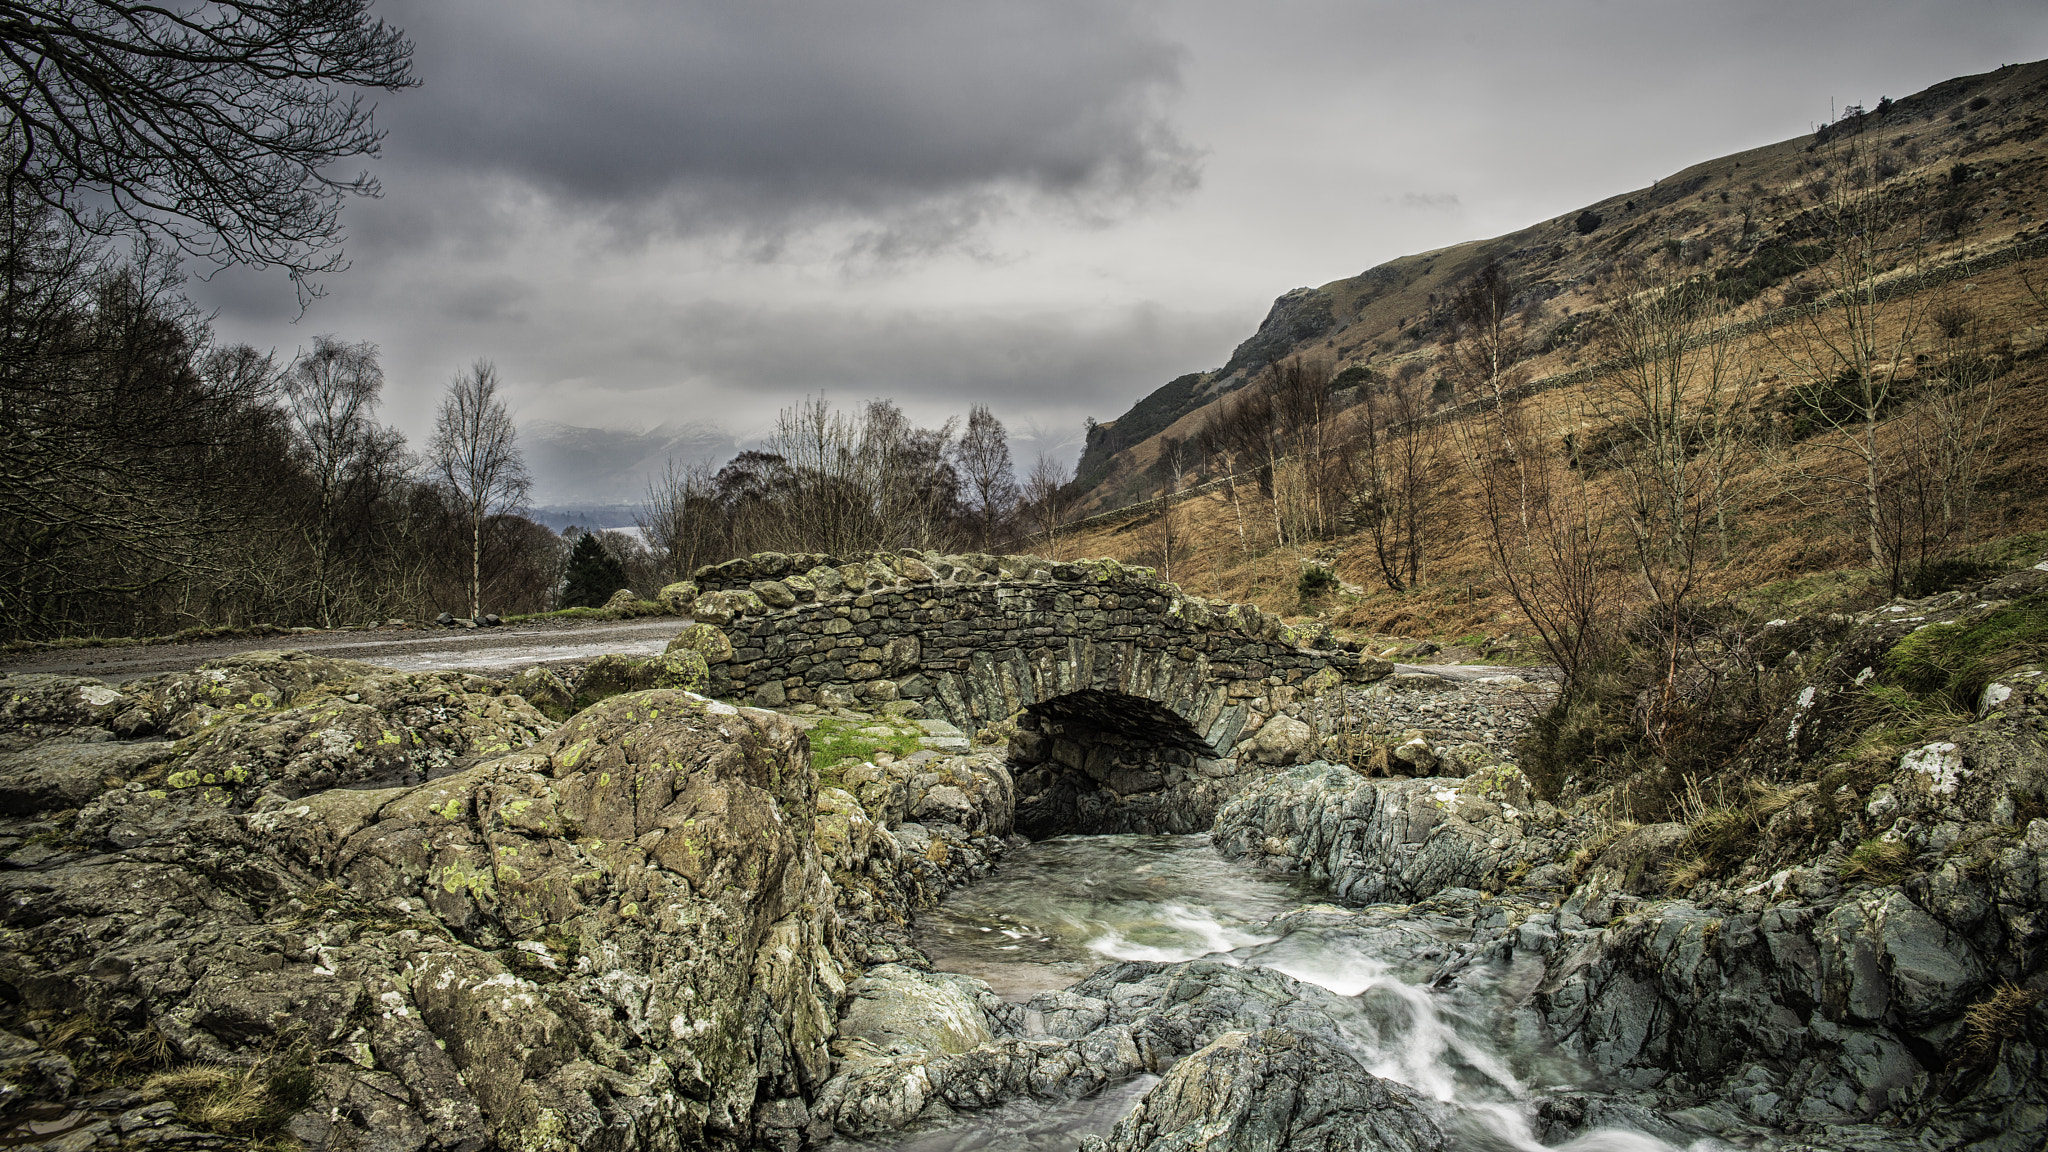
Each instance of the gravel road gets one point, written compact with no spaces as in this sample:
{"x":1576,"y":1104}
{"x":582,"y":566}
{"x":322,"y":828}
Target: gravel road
{"x":510,"y":647}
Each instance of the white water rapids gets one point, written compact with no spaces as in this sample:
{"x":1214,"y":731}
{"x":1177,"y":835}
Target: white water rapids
{"x":1054,"y":912}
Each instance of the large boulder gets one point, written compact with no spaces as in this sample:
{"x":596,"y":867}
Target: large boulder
{"x":1373,"y":840}
{"x":613,"y":674}
{"x":181,"y":703}
{"x":1126,"y":1019}
{"x":1281,"y":740}
{"x":393,"y":729}
{"x":35,"y":707}
{"x":621,"y":938}
{"x":1272,"y":1091}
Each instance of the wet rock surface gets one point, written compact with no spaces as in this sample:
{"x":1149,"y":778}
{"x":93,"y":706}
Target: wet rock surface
{"x":1251,"y":1091}
{"x":658,"y":924}
{"x":620,"y":936}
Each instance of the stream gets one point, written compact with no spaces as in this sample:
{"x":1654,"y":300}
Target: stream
{"x":1057,"y":910}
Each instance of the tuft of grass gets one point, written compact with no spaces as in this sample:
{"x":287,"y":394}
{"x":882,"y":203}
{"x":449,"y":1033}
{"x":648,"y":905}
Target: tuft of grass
{"x":1947,"y":666}
{"x":1987,"y":1025}
{"x":104,"y":1052}
{"x":1878,"y":861}
{"x":237,"y":1100}
{"x":1723,"y":835}
{"x":835,"y":741}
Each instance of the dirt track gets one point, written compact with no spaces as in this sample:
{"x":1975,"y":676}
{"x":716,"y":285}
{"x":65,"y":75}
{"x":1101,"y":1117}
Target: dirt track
{"x":510,"y":647}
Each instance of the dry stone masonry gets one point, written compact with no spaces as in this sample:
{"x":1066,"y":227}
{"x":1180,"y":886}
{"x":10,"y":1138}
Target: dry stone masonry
{"x":1126,"y":703}
{"x":976,"y":639}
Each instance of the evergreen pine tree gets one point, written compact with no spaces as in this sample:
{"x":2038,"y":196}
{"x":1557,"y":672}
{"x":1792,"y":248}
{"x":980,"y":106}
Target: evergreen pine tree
{"x":594,"y":574}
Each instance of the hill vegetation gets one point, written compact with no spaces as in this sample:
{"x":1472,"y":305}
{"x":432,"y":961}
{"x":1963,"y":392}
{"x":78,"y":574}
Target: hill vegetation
{"x":1825,"y":351}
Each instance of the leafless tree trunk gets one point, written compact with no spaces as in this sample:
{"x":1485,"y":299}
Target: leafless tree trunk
{"x":983,"y":456}
{"x":1401,"y":473}
{"x":1047,"y":501}
{"x":475,"y":452}
{"x":1855,"y":349}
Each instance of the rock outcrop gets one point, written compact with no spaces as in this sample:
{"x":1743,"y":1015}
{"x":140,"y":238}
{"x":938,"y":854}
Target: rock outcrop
{"x":1127,"y":1019}
{"x":1270,"y":1090}
{"x":1377,"y":841}
{"x":619,"y":937}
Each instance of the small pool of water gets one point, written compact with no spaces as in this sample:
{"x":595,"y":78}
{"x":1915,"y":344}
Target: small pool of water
{"x":1061,"y":908}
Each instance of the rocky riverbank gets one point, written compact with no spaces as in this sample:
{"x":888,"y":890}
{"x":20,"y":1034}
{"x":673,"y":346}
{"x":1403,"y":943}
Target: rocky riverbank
{"x":286,"y":896}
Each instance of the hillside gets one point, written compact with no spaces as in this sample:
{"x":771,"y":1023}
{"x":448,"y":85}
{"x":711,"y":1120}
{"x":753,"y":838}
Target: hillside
{"x":1963,"y":157}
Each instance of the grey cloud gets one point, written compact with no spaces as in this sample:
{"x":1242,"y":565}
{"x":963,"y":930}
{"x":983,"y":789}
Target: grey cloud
{"x":764,"y":117}
{"x":1432,"y":201}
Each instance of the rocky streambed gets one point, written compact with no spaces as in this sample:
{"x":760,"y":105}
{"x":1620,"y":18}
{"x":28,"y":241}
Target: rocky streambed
{"x":290,"y":898}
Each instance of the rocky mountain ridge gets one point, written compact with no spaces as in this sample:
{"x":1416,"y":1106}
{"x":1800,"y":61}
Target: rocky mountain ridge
{"x":1961,"y":154}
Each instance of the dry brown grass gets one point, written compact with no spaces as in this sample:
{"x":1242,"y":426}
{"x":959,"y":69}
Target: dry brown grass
{"x":1989,"y":1024}
{"x":237,"y":1099}
{"x":1784,"y":542}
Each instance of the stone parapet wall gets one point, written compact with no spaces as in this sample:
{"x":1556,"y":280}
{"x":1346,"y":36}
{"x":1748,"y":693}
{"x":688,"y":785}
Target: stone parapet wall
{"x":979,"y":638}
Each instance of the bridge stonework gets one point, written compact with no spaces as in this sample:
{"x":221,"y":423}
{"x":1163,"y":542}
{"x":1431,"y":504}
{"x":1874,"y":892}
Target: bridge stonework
{"x":977,"y":639}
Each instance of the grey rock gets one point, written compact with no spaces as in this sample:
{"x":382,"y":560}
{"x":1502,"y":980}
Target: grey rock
{"x":1272,"y":1091}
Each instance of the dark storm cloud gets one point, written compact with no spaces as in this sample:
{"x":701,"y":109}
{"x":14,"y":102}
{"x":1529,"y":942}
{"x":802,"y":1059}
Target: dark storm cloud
{"x":764,"y":116}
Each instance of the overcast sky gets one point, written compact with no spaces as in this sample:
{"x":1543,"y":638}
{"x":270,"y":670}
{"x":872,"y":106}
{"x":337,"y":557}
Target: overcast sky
{"x":664,"y":211}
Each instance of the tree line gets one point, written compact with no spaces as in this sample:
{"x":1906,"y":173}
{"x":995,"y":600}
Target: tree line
{"x":155,"y":479}
{"x":841,"y":482}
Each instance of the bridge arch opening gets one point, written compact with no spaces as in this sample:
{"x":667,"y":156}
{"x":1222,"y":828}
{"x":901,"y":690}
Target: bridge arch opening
{"x":1096,"y":761}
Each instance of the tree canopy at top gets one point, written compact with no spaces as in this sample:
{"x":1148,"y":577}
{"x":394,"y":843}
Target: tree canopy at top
{"x":207,"y":124}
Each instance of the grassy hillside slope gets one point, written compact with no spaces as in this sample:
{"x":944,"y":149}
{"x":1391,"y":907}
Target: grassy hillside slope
{"x":1965,"y":153}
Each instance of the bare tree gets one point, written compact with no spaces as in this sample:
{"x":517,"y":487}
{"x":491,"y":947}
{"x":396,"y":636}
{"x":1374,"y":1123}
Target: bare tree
{"x":1937,"y":446}
{"x":1481,"y":357}
{"x":348,"y":460}
{"x":679,"y":520}
{"x":1545,"y":530}
{"x":475,"y":452}
{"x":1400,"y":468}
{"x":1484,"y":342}
{"x":212,"y":125}
{"x":1673,"y":446}
{"x":1676,"y":378}
{"x":1306,"y":436}
{"x":983,"y":457}
{"x":1854,"y":348}
{"x":1047,"y":501}
{"x":1169,"y":542}
{"x":1236,"y":435}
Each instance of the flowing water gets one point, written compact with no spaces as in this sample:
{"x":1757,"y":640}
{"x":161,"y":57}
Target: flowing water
{"x":1057,"y":910}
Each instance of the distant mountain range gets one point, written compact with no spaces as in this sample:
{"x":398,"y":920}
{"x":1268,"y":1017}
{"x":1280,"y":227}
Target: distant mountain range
{"x":602,"y":468}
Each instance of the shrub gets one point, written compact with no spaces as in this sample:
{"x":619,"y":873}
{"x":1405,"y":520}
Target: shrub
{"x":1315,"y":581}
{"x":1351,"y":377}
{"x":1587,"y":222}
{"x":1949,"y":573}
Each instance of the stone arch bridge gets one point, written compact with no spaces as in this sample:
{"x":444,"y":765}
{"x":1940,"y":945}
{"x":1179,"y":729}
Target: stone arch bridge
{"x":1121,"y":678}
